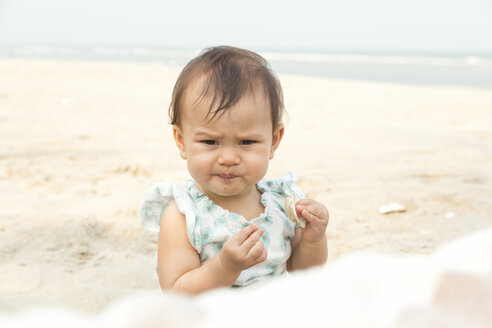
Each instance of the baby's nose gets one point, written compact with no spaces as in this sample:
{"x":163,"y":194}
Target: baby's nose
{"x":229,"y":157}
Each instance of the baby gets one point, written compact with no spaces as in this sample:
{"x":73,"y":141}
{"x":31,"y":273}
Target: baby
{"x":228,"y":226}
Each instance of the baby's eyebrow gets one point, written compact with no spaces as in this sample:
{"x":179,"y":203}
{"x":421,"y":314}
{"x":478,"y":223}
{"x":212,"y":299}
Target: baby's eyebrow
{"x":248,"y":136}
{"x":208,"y":134}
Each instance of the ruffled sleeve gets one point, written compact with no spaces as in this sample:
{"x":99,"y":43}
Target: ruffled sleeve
{"x":289,"y":186}
{"x":275,"y":192}
{"x":283,"y":187}
{"x":158,"y":198}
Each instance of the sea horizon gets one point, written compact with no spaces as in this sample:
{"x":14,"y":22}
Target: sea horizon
{"x":392,"y":66}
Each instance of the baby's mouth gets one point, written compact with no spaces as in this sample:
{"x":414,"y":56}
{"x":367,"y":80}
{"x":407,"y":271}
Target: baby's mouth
{"x":227,"y":176}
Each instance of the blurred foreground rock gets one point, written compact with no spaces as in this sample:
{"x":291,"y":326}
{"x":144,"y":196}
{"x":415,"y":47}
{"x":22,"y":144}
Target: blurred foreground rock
{"x":450,"y":288}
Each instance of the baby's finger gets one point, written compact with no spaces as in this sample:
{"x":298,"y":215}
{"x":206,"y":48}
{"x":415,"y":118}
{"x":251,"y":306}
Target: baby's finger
{"x":262,"y":257}
{"x":315,"y":209}
{"x":309,"y":216}
{"x":256,"y":251}
{"x":252,"y":239}
{"x":245,"y":233}
{"x":305,"y":202}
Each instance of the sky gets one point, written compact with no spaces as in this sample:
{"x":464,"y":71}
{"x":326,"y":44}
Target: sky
{"x":370,"y":25}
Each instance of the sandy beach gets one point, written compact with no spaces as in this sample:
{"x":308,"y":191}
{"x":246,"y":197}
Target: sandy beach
{"x":80,"y":142}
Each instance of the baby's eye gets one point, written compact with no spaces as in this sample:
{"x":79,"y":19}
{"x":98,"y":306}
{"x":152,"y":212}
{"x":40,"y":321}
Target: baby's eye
{"x":247,"y":142}
{"x":209,"y":142}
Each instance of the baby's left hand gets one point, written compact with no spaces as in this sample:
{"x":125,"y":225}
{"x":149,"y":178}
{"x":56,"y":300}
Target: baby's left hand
{"x":316,"y":216}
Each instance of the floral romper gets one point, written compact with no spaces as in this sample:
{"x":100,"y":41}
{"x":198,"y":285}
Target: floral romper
{"x":209,"y":226}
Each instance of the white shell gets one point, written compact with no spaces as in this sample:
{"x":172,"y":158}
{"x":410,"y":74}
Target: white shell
{"x":450,"y":215}
{"x":392,"y":208}
{"x":290,"y":208}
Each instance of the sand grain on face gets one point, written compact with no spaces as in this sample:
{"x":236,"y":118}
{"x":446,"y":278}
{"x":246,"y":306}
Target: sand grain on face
{"x":80,"y":142}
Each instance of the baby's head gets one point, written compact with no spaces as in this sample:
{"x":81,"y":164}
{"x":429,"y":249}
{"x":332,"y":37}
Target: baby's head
{"x":226,"y":112}
{"x":223,"y":76}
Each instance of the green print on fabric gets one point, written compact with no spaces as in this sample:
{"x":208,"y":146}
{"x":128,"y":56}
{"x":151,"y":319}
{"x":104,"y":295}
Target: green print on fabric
{"x":209,"y":207}
{"x":282,"y":209}
{"x":148,"y":212}
{"x":281,"y":244}
{"x":235,"y":216}
{"x":253,"y":276}
{"x":273,"y":264}
{"x":287,"y":224}
{"x":221,"y":221}
{"x":197,"y":241}
{"x":217,"y":247}
{"x":194,"y":194}
{"x":204,"y":256}
{"x":207,"y":235}
{"x":277,"y":194}
{"x":267,"y":221}
{"x":265,"y":238}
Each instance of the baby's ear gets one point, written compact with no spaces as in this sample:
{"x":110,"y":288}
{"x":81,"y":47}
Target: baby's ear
{"x":278,"y":133}
{"x":178,"y":138}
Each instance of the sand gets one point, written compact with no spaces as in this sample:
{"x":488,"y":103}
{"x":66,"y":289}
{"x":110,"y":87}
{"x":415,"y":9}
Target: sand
{"x":80,"y":142}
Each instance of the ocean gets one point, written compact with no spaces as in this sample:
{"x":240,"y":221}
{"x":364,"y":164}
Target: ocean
{"x":444,"y":69}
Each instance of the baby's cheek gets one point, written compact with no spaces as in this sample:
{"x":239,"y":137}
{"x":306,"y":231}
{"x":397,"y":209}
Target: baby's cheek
{"x":199,"y":163}
{"x":200,"y":157}
{"x":258,"y":164}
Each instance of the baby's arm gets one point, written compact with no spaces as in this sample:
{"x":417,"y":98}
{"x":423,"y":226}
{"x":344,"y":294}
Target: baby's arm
{"x":179,"y":263}
{"x":309,"y":246}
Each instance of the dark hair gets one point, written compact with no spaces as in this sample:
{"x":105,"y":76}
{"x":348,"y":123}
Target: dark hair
{"x":230,"y":72}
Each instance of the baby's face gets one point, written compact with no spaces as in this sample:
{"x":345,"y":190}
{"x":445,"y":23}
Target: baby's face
{"x":228,"y":155}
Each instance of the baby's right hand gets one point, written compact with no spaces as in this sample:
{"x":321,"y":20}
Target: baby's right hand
{"x":243,"y":250}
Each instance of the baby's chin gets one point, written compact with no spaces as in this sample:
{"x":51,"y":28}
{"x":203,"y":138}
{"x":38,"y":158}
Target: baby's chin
{"x":225,"y":192}
{"x":228,"y":189}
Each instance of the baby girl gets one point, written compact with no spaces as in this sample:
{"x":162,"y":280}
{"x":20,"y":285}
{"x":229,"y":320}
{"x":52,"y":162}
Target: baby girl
{"x":228,"y":226}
